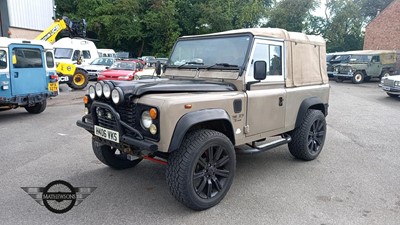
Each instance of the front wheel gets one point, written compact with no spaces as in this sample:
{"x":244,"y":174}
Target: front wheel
{"x":358,"y":78}
{"x":112,"y":157}
{"x":309,"y":138}
{"x":79,"y":80}
{"x":37,"y":108}
{"x":201,"y":171}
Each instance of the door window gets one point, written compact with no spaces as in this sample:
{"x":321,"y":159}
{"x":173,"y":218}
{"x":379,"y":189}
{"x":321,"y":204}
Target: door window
{"x":86,"y":54}
{"x":271,"y":53}
{"x":76,"y":55}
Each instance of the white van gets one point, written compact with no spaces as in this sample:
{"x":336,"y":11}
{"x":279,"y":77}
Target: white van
{"x":69,"y":50}
{"x":107,"y":53}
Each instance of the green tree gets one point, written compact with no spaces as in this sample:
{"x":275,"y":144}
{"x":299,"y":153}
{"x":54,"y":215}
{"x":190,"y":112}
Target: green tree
{"x":290,"y":14}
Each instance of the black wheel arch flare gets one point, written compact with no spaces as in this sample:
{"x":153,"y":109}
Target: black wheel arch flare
{"x":217,"y":119}
{"x":310,"y":103}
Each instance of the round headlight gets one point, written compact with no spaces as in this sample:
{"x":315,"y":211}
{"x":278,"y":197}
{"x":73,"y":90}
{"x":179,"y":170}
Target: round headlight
{"x":146,"y":120}
{"x":116,"y":95}
{"x":153,"y":129}
{"x":92,"y":92}
{"x":99,"y":89}
{"x":106,"y":90}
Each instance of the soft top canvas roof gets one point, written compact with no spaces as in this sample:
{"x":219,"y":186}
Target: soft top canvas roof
{"x":272,"y":33}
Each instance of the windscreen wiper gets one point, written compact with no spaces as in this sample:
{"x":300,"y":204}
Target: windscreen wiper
{"x":222,"y":65}
{"x":190,"y":63}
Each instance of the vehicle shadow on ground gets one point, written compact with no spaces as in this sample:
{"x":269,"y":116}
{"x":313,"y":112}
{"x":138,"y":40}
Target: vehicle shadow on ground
{"x":15,"y":114}
{"x":145,"y":186}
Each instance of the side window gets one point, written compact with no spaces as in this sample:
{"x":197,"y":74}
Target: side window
{"x":27,"y":58}
{"x":375,"y":58}
{"x":272,"y":55}
{"x":49,"y":60}
{"x":86,"y":54}
{"x":275,"y":59}
{"x":76,"y":55}
{"x":3,"y":59}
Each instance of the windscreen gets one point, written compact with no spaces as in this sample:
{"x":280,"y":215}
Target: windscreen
{"x":63,"y":53}
{"x":225,"y":51}
{"x":102,"y":62}
{"x":123,"y":66}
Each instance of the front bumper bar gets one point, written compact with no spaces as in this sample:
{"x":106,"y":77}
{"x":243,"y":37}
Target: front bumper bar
{"x":349,"y":74}
{"x":138,"y":142}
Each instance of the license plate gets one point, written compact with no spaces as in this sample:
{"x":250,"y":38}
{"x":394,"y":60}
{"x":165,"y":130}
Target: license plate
{"x":106,"y":133}
{"x":386,"y":88}
{"x":53,"y":87}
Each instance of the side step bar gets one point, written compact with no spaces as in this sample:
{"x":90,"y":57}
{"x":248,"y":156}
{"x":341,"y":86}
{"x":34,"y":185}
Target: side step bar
{"x":265,"y":147}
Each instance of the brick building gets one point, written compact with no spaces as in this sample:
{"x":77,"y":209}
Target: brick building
{"x":383,"y":32}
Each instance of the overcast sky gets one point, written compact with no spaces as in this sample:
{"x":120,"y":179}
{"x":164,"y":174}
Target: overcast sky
{"x":321,"y":10}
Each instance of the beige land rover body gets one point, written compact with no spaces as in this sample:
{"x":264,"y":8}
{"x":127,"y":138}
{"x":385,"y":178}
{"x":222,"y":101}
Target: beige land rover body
{"x":217,"y":96}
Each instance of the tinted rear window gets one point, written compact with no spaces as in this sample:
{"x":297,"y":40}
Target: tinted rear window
{"x":27,"y":58}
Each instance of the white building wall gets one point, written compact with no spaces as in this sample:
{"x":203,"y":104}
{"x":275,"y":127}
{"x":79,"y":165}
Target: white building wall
{"x":30,"y":14}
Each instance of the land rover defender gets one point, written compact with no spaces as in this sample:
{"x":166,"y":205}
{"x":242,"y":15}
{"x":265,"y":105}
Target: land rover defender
{"x":364,"y":65}
{"x":219,"y":95}
{"x":27,"y":74}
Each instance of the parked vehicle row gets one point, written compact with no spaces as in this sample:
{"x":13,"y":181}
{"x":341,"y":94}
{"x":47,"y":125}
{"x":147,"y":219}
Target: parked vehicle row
{"x":360,"y":66}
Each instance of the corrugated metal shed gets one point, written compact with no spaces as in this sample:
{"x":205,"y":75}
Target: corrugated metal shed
{"x":30,"y":14}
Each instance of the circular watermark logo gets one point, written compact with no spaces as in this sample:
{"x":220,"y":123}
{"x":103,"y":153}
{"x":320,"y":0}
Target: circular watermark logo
{"x":59,"y":196}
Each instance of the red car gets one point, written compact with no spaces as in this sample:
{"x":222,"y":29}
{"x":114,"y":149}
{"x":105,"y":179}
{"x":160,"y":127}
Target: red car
{"x":122,"y":70}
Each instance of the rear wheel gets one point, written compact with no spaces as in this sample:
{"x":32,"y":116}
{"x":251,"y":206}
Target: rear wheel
{"x":79,"y":80}
{"x":112,"y":157}
{"x":358,"y":78}
{"x":309,"y":138}
{"x":201,"y":172}
{"x":37,"y":108}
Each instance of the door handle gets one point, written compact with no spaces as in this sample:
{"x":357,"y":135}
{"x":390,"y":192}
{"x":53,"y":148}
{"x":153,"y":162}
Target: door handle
{"x":280,"y":101}
{"x":16,"y":75}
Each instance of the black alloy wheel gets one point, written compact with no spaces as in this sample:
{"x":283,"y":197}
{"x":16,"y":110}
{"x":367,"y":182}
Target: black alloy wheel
{"x":200,"y":173}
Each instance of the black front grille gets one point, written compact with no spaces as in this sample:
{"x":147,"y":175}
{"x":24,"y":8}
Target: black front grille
{"x":388,"y":82}
{"x":127,"y":113}
{"x":107,"y":119}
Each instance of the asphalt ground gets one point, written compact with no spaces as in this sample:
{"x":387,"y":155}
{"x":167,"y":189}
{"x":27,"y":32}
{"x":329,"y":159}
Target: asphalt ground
{"x":355,"y":180}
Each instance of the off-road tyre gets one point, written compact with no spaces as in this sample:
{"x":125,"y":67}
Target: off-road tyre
{"x":37,"y":108}
{"x":308,"y":139}
{"x":108,"y":155}
{"x":79,"y":80}
{"x":392,"y":95}
{"x":358,"y":77}
{"x":201,"y":171}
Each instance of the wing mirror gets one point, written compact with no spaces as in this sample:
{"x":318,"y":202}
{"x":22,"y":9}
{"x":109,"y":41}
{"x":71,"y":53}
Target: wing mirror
{"x":158,"y":68}
{"x":260,"y":70}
